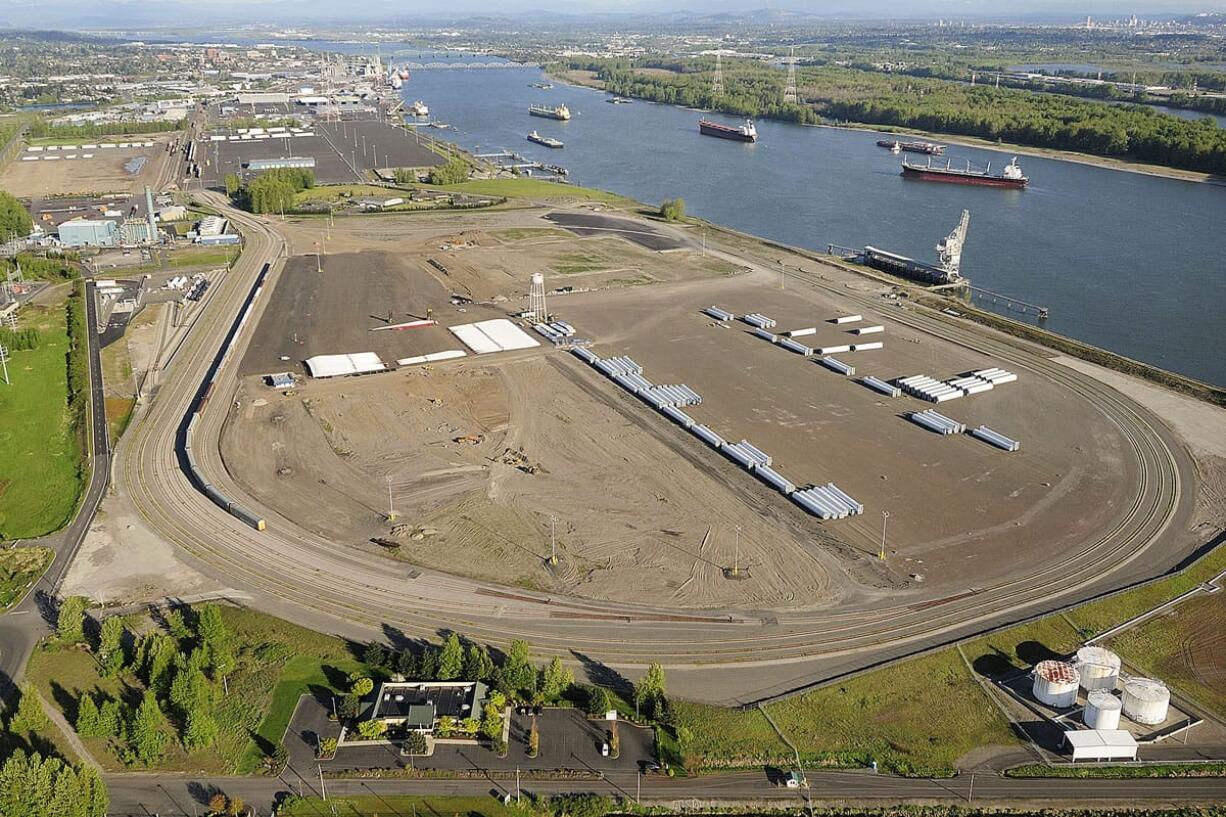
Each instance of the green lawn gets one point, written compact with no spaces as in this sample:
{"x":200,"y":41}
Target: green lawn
{"x":40,"y":458}
{"x":20,"y":567}
{"x":202,"y":256}
{"x":276,"y":662}
{"x":529,"y":189}
{"x":1120,"y":772}
{"x":395,"y":804}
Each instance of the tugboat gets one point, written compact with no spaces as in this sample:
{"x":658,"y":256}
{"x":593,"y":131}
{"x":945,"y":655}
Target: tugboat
{"x":547,"y":141}
{"x":745,"y":133}
{"x":1011,"y":177}
{"x":560,"y":112}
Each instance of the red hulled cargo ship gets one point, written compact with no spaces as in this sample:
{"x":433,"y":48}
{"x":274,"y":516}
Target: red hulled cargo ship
{"x":1011,"y":177}
{"x":745,"y":133}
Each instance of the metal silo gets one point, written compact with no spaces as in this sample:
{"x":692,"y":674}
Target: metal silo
{"x":1055,"y":683}
{"x":1099,"y":668}
{"x":1102,"y":710}
{"x":1146,"y":700}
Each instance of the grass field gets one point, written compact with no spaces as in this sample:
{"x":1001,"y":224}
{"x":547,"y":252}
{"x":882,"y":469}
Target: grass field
{"x":40,"y":458}
{"x":203,"y":256}
{"x":276,"y":662}
{"x":396,"y":804}
{"x":20,"y":567}
{"x":1120,"y":772}
{"x":529,"y":189}
{"x":914,"y":718}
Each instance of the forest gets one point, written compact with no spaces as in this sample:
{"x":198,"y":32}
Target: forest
{"x":940,"y":106}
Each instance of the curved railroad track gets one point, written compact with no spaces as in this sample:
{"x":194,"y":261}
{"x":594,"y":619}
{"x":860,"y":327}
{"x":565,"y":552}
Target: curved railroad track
{"x":343,"y":589}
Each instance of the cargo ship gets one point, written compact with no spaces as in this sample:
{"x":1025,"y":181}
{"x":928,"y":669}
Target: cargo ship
{"x":745,"y":133}
{"x":547,"y":141}
{"x":1010,"y":177}
{"x":930,"y":148}
{"x":561,"y":112}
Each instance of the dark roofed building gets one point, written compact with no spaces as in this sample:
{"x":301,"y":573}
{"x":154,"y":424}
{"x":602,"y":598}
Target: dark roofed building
{"x":417,"y":706}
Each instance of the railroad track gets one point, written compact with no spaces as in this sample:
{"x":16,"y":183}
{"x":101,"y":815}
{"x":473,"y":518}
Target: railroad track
{"x":344,"y":589}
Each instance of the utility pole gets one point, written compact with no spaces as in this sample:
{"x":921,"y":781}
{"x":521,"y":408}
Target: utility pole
{"x":391,"y":509}
{"x":553,"y":540}
{"x":517,"y":785}
{"x":970,"y":795}
{"x":323,"y":790}
{"x":885,"y":517}
{"x":736,"y":553}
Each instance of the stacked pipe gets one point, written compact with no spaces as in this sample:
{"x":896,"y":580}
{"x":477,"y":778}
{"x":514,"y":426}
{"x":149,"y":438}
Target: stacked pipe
{"x":927,"y":388}
{"x":766,"y":335}
{"x":868,"y":330}
{"x":970,"y":384}
{"x":848,"y":319}
{"x":995,"y":438}
{"x":888,"y":389}
{"x":834,"y":364}
{"x":827,"y":502}
{"x":800,"y":333}
{"x":619,"y":365}
{"x":679,"y":395}
{"x":793,"y":346}
{"x":939,"y":423}
{"x":758,"y":320}
{"x":995,"y":376}
{"x":718,"y":314}
{"x":866,"y":347}
{"x":833,"y":350}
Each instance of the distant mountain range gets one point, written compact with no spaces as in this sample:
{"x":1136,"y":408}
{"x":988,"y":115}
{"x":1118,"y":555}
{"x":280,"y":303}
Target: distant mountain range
{"x":217,"y":14}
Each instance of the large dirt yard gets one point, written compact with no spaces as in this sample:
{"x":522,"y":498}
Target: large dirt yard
{"x":491,"y":459}
{"x":91,"y":170}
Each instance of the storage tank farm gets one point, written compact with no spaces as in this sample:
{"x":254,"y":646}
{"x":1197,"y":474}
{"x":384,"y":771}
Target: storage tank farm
{"x":1102,"y":710}
{"x":1056,"y":683}
{"x":1099,"y":668}
{"x":1146,"y":701}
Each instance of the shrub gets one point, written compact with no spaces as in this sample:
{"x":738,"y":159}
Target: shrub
{"x":673,"y":209}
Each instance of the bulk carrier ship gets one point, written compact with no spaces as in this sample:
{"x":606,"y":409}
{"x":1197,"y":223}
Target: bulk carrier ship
{"x":1011,"y":177}
{"x":561,"y":112}
{"x":745,"y":133}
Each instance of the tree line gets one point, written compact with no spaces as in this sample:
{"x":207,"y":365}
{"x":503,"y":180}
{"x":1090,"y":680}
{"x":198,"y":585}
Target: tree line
{"x":41,"y":128}
{"x":999,"y":114}
{"x":272,"y":191}
{"x":181,"y":672}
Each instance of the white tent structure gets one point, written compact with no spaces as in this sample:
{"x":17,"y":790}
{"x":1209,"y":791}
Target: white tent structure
{"x":498,"y":335}
{"x":322,"y":366}
{"x":1101,"y":744}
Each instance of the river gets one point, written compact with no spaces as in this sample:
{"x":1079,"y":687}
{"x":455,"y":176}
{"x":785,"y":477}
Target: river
{"x":1130,"y":262}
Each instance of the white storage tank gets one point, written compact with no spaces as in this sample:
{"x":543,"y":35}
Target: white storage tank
{"x":1102,"y":710}
{"x":1146,"y":700}
{"x":1055,"y":683}
{"x":1099,"y":668}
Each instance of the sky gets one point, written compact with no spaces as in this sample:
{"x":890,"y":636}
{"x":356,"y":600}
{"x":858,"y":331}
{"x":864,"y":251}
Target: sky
{"x":208,"y":13}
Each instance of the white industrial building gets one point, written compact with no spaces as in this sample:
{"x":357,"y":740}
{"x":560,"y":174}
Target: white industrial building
{"x":211,"y":225}
{"x":1101,"y":744}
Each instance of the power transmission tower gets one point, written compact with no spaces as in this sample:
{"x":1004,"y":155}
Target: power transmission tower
{"x":536,"y":298}
{"x":789,"y":92}
{"x":717,"y":82}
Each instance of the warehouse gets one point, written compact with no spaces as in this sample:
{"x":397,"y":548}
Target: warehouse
{"x":257,"y":165}
{"x":89,"y":233}
{"x":324,"y":366}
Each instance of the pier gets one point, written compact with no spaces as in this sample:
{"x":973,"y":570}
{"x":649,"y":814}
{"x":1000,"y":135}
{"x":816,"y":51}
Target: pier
{"x":1010,"y":303}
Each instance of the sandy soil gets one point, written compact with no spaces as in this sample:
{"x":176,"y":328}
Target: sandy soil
{"x":552,"y":438}
{"x":104,"y":173}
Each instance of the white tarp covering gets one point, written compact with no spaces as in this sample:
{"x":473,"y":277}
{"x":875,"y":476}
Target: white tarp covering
{"x":1101,"y":744}
{"x":341,"y":365}
{"x":498,"y":335}
{"x":433,"y":357}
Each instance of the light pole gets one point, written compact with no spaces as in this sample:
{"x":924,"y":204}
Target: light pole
{"x":885,"y":517}
{"x":391,"y":509}
{"x":736,"y":553}
{"x":553,"y":540}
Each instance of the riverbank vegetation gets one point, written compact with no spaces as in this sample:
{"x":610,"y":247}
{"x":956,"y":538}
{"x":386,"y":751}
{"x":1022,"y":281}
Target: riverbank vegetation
{"x":42,"y":420}
{"x":891,"y":100}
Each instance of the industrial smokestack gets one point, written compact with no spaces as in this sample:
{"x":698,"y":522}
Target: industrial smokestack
{"x":153,"y":227}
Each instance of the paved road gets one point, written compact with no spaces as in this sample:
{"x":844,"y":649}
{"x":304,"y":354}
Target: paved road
{"x":26,"y":623}
{"x":727,"y":655}
{"x":172,"y":796}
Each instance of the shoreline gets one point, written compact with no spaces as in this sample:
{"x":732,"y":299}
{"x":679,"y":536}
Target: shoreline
{"x":1105,"y":162}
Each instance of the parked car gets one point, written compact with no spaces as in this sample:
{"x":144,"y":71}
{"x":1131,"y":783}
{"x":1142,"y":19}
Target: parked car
{"x":604,"y":748}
